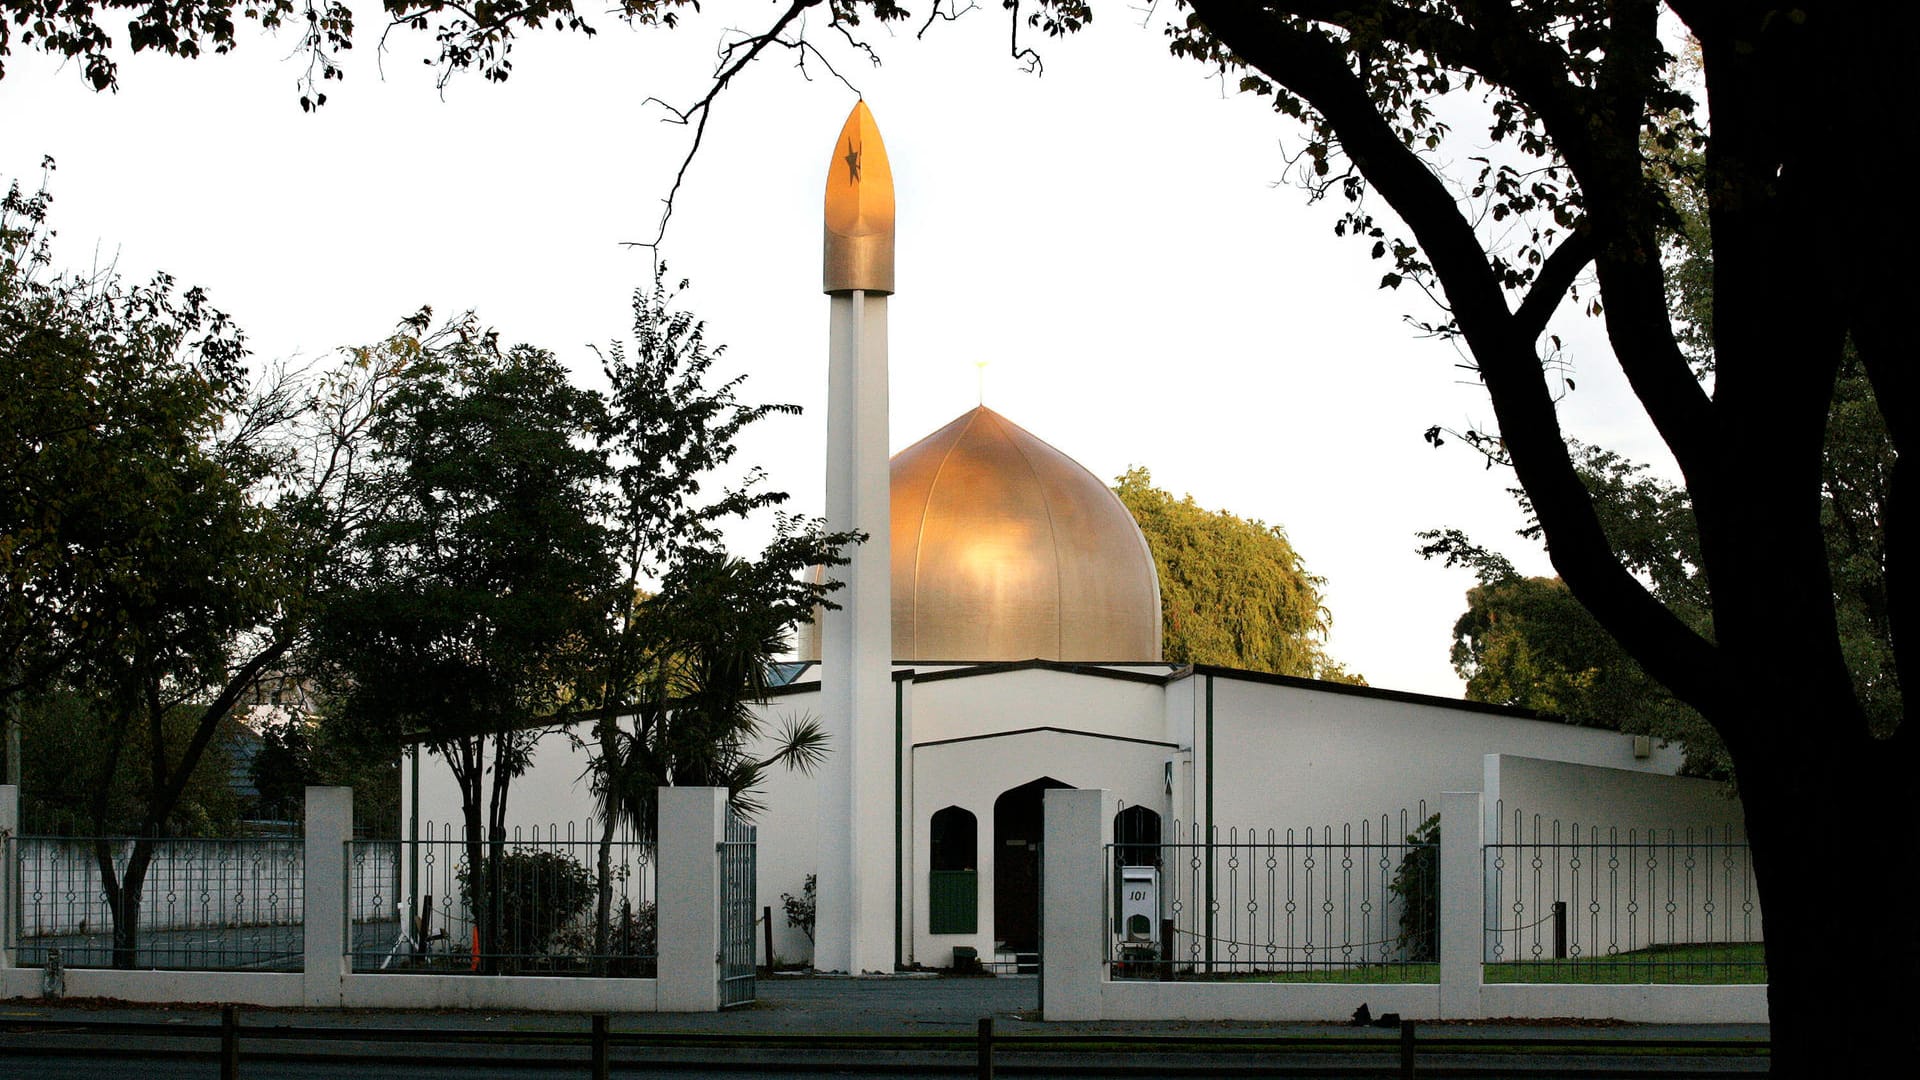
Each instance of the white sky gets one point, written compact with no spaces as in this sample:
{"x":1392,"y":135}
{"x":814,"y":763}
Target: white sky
{"x":1112,"y":238}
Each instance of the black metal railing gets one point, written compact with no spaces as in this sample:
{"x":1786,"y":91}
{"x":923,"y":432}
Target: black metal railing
{"x":1357,"y":902}
{"x":203,"y":904}
{"x":1571,"y":904}
{"x":528,"y":904}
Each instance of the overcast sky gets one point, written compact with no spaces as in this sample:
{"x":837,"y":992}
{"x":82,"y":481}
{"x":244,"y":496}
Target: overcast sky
{"x":1116,"y":239}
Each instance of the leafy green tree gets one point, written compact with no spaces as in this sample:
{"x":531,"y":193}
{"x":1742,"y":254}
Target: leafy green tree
{"x":1525,"y":641}
{"x":677,"y":669}
{"x":1232,"y":591}
{"x":63,"y":732}
{"x":160,"y":516}
{"x":462,"y":614}
{"x":296,"y":751}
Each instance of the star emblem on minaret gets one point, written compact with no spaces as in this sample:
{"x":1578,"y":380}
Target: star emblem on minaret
{"x":853,"y":162}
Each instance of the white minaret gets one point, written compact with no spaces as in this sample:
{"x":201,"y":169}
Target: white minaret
{"x":854,"y":901}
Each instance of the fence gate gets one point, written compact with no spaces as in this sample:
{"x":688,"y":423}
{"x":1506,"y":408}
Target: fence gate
{"x":739,"y":911}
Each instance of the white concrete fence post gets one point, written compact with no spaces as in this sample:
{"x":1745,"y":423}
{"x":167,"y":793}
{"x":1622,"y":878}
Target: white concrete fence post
{"x":1462,"y":904}
{"x":324,"y":896}
{"x":1073,"y":902}
{"x":10,"y":873}
{"x":693,"y":824}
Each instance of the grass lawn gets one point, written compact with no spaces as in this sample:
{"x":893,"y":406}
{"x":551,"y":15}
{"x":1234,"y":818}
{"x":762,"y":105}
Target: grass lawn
{"x":1699,"y":964}
{"x":1675,"y":964}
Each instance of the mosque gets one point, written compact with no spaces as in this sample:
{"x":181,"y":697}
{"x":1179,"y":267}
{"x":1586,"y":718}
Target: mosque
{"x":1001,"y":635}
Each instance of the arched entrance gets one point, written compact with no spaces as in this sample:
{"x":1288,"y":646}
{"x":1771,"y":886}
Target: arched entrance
{"x":1016,"y":864}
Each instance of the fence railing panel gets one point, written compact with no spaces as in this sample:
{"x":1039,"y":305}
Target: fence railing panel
{"x":531,"y":907}
{"x":1357,"y":902}
{"x":1567,"y":903}
{"x":204,"y":904}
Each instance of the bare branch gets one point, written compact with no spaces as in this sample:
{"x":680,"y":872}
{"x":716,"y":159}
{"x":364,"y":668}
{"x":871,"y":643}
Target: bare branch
{"x":943,"y":16}
{"x":734,"y":58}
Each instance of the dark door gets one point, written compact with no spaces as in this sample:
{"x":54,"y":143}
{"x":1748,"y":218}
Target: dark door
{"x":1016,"y":864}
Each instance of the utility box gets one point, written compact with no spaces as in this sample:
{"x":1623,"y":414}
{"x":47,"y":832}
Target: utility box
{"x":1140,"y":906}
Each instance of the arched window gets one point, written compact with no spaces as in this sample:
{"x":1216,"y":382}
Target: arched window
{"x":953,"y":903}
{"x":1136,"y":837}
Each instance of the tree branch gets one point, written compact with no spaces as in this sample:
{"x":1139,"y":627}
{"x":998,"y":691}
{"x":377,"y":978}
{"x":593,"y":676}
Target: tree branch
{"x":1315,"y":67}
{"x":1556,"y":276}
{"x":734,"y":59}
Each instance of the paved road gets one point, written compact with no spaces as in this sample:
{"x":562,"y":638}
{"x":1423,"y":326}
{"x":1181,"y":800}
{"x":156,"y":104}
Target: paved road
{"x":892,"y":1007}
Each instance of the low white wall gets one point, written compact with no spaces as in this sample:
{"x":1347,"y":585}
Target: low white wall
{"x":499,"y":992}
{"x":1125,"y":999}
{"x":1277,"y":1002}
{"x":271,"y":989}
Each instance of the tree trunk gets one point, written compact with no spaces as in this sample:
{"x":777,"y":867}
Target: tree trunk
{"x":123,"y":895}
{"x":497,"y":932}
{"x":1827,"y":837}
{"x":603,"y":901}
{"x":473,"y":834}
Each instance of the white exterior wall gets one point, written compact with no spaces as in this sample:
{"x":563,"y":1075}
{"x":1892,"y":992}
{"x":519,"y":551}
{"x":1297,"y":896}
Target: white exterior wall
{"x":1590,"y":795}
{"x":789,"y":832}
{"x":1287,"y":756}
{"x":1013,"y":700}
{"x":1291,"y":756}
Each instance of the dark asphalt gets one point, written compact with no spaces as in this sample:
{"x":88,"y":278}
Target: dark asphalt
{"x":818,"y":1006}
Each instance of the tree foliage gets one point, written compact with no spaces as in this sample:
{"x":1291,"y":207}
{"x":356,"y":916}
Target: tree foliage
{"x":1232,"y":591}
{"x":1526,"y":642}
{"x":160,"y":520}
{"x":678,"y":668}
{"x":296,"y":749}
{"x":462,"y":614}
{"x":62,"y":734}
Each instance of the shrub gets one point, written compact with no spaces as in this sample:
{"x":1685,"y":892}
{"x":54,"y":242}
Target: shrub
{"x":800,"y":908}
{"x":539,"y":893}
{"x":632,"y":942}
{"x":1417,"y":886}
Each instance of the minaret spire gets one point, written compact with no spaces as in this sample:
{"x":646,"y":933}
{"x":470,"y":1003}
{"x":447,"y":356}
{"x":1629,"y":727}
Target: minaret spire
{"x":859,"y":248}
{"x":860,"y":845}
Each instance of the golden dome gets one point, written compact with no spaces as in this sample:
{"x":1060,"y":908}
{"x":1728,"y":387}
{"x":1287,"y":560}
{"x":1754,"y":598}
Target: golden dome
{"x":1004,"y":548}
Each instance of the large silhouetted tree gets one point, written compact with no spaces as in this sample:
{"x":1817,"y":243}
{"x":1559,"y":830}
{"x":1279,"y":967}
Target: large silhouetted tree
{"x":1575,"y":90}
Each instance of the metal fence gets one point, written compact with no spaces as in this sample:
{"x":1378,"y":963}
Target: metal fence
{"x":1572,"y":904}
{"x":531,"y":907}
{"x":739,"y":910}
{"x":222,"y":904}
{"x":1347,"y":903}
